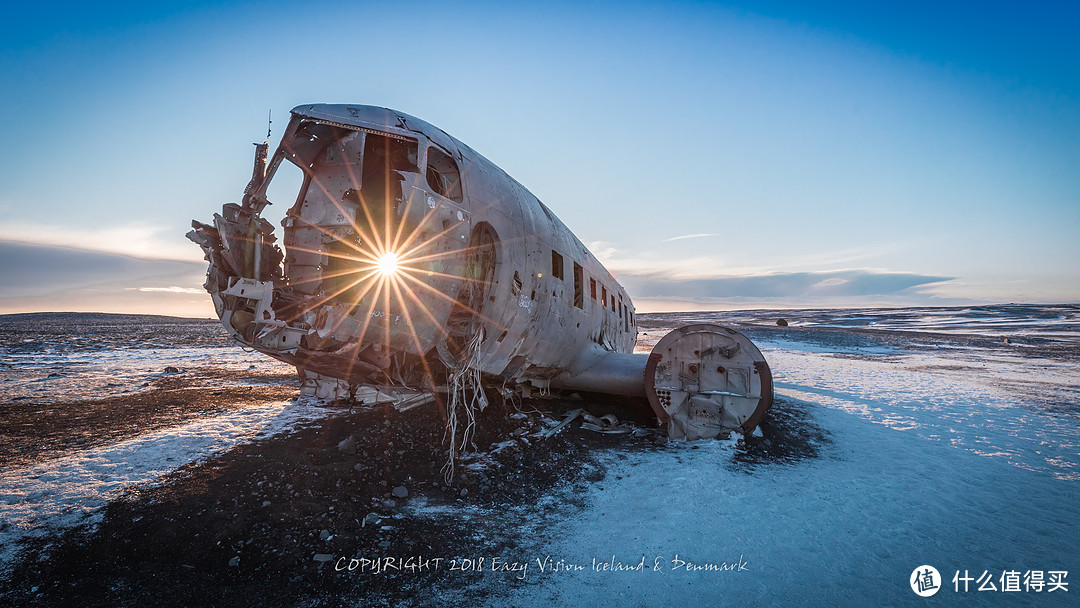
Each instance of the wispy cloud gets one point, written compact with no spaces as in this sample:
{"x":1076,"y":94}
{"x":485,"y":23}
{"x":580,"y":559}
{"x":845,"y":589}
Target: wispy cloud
{"x":172,"y":289}
{"x":691,"y":236}
{"x":136,"y":240}
{"x":702,"y":263}
{"x":851,"y":283}
{"x":41,"y":278}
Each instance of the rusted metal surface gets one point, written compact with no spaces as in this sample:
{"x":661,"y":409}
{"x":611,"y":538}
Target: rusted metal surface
{"x":410,"y":259}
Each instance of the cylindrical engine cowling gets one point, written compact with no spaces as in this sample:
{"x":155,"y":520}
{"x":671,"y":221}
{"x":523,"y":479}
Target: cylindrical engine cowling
{"x":705,"y":379}
{"x":702,"y":380}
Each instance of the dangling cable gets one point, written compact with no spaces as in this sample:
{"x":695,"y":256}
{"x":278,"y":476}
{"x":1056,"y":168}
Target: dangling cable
{"x":467,"y":392}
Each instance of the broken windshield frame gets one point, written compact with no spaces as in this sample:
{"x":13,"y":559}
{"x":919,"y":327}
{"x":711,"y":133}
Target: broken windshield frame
{"x":404,"y":156}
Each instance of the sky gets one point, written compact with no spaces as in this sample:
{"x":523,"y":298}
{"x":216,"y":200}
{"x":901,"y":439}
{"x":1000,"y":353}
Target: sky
{"x":712,"y":155}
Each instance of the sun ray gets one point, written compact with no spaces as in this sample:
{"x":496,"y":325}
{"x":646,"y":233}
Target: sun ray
{"x":423,"y":308}
{"x":395,"y":243}
{"x":330,"y":275}
{"x":331,"y":234}
{"x":333,"y":201}
{"x":312,"y":179}
{"x":412,"y":330}
{"x":446,"y":297}
{"x":433,"y":239}
{"x":373,"y":260}
{"x":326,"y":299}
{"x":367,"y":318}
{"x":386,"y":312}
{"x":440,"y":274}
{"x":420,"y":225}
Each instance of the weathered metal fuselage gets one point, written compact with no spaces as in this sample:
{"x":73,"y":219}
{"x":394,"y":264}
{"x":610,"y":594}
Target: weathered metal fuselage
{"x":408,"y":256}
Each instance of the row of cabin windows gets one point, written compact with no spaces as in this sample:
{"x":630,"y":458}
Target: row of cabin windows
{"x":579,"y":290}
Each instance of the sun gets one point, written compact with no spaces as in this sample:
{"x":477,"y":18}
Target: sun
{"x":388,"y":264}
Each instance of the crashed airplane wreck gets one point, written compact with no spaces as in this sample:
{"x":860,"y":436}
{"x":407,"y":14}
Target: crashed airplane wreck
{"x":414,"y":265}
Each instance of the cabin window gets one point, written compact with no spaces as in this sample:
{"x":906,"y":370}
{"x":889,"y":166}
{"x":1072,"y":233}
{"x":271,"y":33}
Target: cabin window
{"x":612,"y":302}
{"x":620,"y":308}
{"x":592,"y":288}
{"x":603,"y":296}
{"x":556,"y":265}
{"x":442,"y":174}
{"x":579,"y":286}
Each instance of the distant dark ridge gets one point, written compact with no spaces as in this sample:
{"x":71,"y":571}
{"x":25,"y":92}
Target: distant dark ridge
{"x":97,"y":317}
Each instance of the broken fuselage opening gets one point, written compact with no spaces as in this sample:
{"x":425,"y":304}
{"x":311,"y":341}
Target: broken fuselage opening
{"x":377,"y":259}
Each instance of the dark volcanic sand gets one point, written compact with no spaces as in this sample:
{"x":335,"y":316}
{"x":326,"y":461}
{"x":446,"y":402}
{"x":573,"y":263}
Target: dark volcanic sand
{"x":35,"y":431}
{"x":244,"y":528}
{"x":268,"y":503}
{"x":265,"y":505}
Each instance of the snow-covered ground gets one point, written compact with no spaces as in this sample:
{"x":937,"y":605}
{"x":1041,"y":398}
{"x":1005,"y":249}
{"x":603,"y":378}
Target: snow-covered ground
{"x":54,"y":495}
{"x":46,"y":358}
{"x":961,"y":453}
{"x":961,"y":458}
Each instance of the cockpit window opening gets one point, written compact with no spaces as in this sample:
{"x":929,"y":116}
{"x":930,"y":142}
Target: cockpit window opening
{"x":592,"y":288}
{"x":285,"y":186}
{"x":442,"y":174}
{"x":381,"y":152}
{"x":382,"y":164}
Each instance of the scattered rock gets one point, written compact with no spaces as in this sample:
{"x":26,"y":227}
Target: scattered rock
{"x":235,"y":561}
{"x":348,"y":445}
{"x":323,"y":557}
{"x":401,"y":492}
{"x":325,"y":534}
{"x":171,"y":370}
{"x":782,"y":322}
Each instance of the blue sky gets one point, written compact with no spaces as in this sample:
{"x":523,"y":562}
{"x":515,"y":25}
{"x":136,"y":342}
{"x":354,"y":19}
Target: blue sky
{"x":713,"y":155}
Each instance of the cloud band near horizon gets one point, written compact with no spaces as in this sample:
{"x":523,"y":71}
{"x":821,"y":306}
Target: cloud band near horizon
{"x":852,"y":283}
